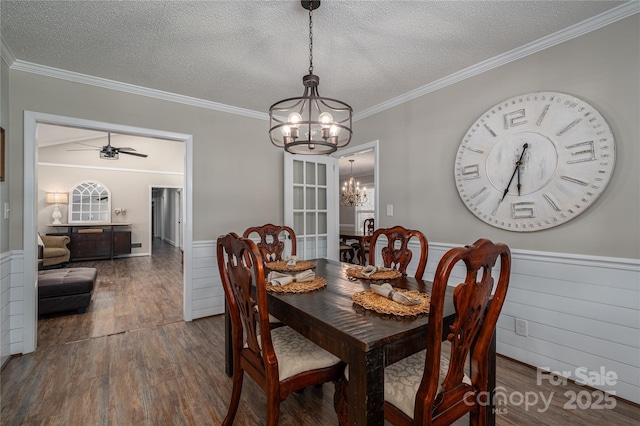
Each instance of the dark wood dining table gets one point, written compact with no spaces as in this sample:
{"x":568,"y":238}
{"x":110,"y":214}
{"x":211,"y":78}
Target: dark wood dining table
{"x":361,"y":238}
{"x":366,"y":340}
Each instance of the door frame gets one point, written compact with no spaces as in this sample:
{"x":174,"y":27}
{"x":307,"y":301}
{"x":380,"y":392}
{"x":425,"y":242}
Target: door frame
{"x":31,"y":120}
{"x":376,"y":172}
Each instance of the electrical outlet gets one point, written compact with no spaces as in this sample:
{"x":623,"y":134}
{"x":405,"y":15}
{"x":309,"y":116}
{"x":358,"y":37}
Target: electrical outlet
{"x":389,"y":209}
{"x":522,"y":327}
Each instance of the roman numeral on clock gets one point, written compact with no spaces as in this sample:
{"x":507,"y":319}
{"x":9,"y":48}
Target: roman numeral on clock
{"x":585,"y":150}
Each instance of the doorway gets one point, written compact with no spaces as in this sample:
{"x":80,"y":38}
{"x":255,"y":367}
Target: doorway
{"x":364,"y":169}
{"x":166,"y":215}
{"x":31,"y":120}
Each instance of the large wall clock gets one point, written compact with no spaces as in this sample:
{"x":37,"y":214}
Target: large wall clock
{"x":534,"y":161}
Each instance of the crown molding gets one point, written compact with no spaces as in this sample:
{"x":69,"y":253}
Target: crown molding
{"x":75,"y":77}
{"x":613,"y":15}
{"x":7,"y":55}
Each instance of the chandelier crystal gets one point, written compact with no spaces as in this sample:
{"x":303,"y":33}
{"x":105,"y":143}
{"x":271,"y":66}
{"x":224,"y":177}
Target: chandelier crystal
{"x":351,"y":194}
{"x":310,"y":124}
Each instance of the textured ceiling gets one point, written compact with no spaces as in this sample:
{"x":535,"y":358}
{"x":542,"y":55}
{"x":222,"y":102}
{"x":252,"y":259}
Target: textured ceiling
{"x":250,"y":54}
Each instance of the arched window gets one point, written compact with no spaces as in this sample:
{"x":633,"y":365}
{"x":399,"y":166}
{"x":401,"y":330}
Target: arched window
{"x":90,"y":202}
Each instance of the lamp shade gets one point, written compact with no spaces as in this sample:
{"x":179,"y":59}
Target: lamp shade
{"x":57,"y":197}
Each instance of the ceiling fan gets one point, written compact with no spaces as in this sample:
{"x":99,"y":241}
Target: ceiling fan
{"x":110,"y":152}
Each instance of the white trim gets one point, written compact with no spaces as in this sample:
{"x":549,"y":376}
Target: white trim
{"x":619,"y":263}
{"x":111,"y":169}
{"x":31,"y":119}
{"x":613,"y":15}
{"x":75,"y":77}
{"x":6,"y":53}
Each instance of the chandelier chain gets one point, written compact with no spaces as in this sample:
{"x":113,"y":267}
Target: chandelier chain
{"x":310,"y":40}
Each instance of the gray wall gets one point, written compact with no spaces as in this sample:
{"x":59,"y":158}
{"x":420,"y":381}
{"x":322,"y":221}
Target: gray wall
{"x":419,"y":139}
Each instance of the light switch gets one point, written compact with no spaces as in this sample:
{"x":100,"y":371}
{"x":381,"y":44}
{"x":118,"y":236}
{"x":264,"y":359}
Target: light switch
{"x":389,"y":209}
{"x":6,"y":210}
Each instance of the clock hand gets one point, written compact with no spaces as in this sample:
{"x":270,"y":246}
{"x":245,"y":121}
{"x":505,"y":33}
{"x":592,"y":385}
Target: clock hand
{"x":518,"y":163}
{"x":519,"y":179}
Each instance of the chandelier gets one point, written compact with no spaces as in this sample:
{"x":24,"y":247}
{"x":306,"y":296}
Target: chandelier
{"x":310,"y":124}
{"x":351,"y":195}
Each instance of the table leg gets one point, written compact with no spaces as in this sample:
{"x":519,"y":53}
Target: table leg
{"x":366,"y":388}
{"x":228,"y":343}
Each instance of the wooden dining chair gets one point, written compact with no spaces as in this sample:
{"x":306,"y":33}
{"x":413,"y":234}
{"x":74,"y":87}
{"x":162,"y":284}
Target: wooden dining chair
{"x":270,"y":245}
{"x":280,"y":361}
{"x":431,"y":387}
{"x":397,"y":254}
{"x":369,"y":226}
{"x":367,"y":229}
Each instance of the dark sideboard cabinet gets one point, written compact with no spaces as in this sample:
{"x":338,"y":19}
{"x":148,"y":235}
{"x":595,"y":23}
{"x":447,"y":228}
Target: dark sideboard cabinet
{"x":92,"y":242}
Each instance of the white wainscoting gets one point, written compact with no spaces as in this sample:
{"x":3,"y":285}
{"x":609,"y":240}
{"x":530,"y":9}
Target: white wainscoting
{"x":207,"y":294}
{"x":11,"y":304}
{"x":5,"y":297}
{"x":583,"y":315}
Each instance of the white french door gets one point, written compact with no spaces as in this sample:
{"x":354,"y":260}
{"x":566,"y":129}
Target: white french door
{"x":310,"y":204}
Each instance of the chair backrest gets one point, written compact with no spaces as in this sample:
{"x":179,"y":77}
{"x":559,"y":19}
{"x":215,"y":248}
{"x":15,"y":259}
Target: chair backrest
{"x":241,"y":267}
{"x":397,"y":253}
{"x":369,"y":226}
{"x":271,"y":246}
{"x":474,"y":325}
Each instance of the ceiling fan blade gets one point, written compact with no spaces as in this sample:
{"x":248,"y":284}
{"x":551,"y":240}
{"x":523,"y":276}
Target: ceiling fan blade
{"x":125,"y":149}
{"x":132,"y":153}
{"x":85,"y":149}
{"x":86,"y":144}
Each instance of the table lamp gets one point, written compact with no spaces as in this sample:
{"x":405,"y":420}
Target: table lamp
{"x":57,"y":198}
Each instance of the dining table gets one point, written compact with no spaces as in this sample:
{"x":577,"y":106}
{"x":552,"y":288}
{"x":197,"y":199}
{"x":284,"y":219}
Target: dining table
{"x":366,"y":340}
{"x":361,"y":237}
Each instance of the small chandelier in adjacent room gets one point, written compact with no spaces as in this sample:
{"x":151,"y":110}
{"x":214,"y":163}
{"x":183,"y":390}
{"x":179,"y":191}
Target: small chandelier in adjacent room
{"x":310,"y":124}
{"x":351,"y":194}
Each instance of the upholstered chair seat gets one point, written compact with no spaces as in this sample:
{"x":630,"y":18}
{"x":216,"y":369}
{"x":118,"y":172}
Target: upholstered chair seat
{"x":297,"y":354}
{"x":402,"y":379}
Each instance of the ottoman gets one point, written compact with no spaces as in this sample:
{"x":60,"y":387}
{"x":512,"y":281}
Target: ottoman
{"x":61,"y":290}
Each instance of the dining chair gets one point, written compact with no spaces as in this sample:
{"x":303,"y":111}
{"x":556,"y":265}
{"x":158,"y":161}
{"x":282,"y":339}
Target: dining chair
{"x":270,"y":245}
{"x":369,"y":226}
{"x":431,"y":387}
{"x":280,"y":361}
{"x":397,"y":253}
{"x":367,"y":229}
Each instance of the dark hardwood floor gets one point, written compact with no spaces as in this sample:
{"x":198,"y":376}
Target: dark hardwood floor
{"x":131,"y":359}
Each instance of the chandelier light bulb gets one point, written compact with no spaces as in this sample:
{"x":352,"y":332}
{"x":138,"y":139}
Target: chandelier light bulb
{"x":286,"y":130}
{"x":293,"y":119}
{"x":326,"y":119}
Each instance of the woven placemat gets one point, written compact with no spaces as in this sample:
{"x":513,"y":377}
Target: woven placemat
{"x":281,"y":266}
{"x":372,"y":301}
{"x":356,"y":272}
{"x":299,"y":287}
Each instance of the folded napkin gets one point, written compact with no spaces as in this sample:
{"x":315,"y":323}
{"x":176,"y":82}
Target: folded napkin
{"x":387,"y":290}
{"x":291,"y":261}
{"x":370,"y":270}
{"x":279,"y":279}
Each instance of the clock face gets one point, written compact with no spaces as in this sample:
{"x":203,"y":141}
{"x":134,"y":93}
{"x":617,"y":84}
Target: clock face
{"x":534,"y":161}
